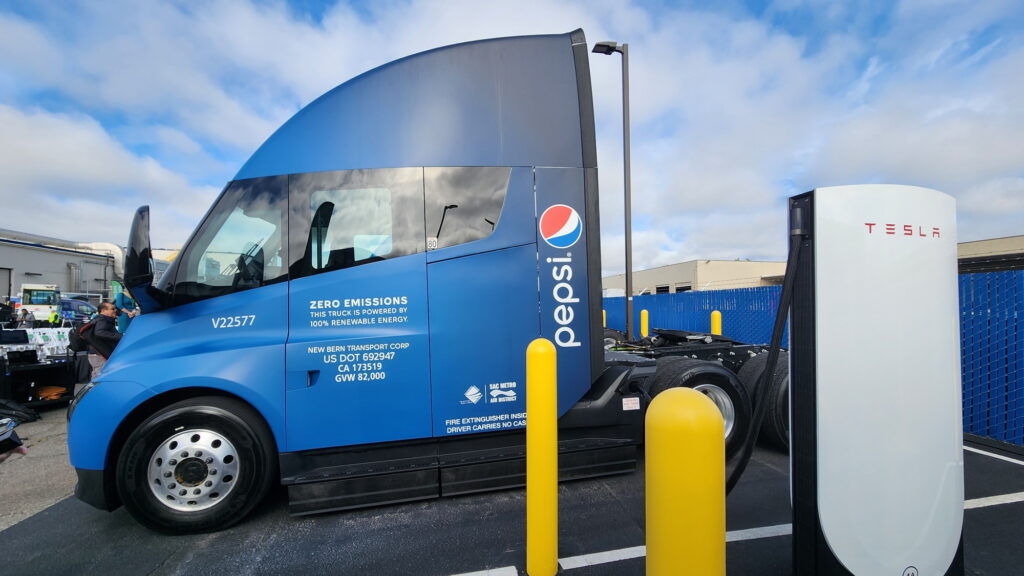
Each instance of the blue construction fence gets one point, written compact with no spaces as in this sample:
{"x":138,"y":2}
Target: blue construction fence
{"x":991,"y":338}
{"x":747,"y":313}
{"x":992,"y":354}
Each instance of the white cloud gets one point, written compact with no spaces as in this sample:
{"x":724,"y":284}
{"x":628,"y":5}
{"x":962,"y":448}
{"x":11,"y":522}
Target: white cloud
{"x":66,"y":176}
{"x":27,"y":54}
{"x":994,"y":197}
{"x":949,"y":127}
{"x":730,"y":114}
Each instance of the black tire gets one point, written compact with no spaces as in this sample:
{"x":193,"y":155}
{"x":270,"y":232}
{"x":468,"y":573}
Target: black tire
{"x":198,"y":465}
{"x":775,"y":426}
{"x":715,"y":381}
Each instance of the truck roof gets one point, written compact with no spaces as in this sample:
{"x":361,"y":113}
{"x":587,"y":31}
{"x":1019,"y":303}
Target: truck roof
{"x":518,"y":101}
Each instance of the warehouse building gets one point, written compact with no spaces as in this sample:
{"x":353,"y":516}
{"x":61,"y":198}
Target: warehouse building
{"x":991,"y":255}
{"x":698,"y":275}
{"x":978,"y":256}
{"x":78,"y":268}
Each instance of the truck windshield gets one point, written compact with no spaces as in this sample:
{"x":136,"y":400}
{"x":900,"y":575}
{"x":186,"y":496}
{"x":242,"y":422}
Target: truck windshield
{"x":240,"y":245}
{"x":40,"y":297}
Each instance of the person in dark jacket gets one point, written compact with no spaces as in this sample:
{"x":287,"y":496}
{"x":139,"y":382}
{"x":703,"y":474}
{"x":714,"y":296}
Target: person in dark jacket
{"x":104,"y":337}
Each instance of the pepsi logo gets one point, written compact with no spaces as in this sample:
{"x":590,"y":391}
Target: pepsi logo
{"x":561,"y":226}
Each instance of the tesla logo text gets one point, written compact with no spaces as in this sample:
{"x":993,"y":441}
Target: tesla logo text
{"x":904,"y":230}
{"x":561,"y":272}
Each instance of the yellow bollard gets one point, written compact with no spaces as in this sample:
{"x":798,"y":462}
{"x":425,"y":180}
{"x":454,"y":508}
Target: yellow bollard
{"x":541,"y":459}
{"x":716,"y":323}
{"x":685,"y":485}
{"x":644,"y":324}
{"x":604,"y":318}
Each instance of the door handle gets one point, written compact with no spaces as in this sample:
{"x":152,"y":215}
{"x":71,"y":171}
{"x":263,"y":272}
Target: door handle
{"x":311,"y":377}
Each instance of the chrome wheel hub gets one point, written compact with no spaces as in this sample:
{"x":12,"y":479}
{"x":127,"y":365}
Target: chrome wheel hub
{"x":722,"y":401}
{"x":193,"y":470}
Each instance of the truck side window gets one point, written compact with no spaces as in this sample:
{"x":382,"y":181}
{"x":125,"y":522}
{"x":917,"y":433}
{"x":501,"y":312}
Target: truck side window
{"x":354,"y":217}
{"x":463,"y":204}
{"x":240,"y":245}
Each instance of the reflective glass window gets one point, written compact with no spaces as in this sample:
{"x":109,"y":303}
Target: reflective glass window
{"x":462,"y":204}
{"x":39,"y":297}
{"x":353,"y":217}
{"x":240,"y":245}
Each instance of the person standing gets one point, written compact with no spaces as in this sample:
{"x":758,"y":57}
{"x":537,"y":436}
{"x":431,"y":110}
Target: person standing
{"x":103,"y":337}
{"x":126,"y":310}
{"x":26,"y":319}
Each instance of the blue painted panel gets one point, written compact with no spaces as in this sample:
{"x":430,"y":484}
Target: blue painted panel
{"x":483,"y":314}
{"x":358,"y":355}
{"x":96,"y":419}
{"x":564,"y":299}
{"x":184,"y":347}
{"x":500,"y":102}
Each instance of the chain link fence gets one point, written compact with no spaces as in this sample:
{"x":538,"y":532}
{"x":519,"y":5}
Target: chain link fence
{"x":991,"y":338}
{"x":747,"y":313}
{"x":992,"y":354}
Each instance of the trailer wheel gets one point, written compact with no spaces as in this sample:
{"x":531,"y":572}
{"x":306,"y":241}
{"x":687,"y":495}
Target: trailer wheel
{"x":715,"y":381}
{"x":775,"y":426}
{"x":199,"y":465}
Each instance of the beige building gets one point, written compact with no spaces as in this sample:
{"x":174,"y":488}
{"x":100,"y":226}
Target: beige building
{"x":991,"y":255}
{"x":979,"y":256}
{"x":698,"y":275}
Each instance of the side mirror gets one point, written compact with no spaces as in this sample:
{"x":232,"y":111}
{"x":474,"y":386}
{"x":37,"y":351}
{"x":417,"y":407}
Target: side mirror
{"x":138,"y":262}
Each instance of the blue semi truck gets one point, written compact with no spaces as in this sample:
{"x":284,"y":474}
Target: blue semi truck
{"x":350,"y":317}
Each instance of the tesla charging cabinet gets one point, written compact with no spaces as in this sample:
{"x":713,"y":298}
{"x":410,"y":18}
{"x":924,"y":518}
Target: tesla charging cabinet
{"x":877,"y":456}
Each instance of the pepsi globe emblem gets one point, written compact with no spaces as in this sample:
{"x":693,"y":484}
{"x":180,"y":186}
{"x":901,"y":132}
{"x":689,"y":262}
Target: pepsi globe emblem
{"x":561,"y":226}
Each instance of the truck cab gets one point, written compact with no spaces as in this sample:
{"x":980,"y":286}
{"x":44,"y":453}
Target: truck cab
{"x":351,"y":316}
{"x":40,"y":299}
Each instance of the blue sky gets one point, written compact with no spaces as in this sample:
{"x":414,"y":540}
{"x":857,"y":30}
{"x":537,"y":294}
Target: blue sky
{"x":107,"y":105}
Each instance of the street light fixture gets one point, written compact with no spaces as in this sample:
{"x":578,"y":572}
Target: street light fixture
{"x":443,"y":213}
{"x":609,"y":48}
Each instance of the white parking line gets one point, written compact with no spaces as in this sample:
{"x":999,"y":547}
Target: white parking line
{"x":994,"y":500}
{"x":999,"y":456}
{"x":602,"y":557}
{"x":503,"y":571}
{"x":573,"y":562}
{"x":762,"y":532}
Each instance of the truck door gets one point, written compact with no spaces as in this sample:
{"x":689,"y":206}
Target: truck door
{"x":482,"y":272}
{"x":357,"y":353}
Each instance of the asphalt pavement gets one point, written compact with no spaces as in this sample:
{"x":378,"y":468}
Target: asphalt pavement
{"x":600,"y":531}
{"x":35,"y":481}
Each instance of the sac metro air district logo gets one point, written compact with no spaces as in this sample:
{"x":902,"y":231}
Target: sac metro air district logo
{"x":561,"y":226}
{"x":497,"y":392}
{"x":473,"y":394}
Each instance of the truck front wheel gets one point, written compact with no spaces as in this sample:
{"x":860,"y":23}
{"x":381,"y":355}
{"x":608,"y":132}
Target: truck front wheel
{"x":198,"y":465}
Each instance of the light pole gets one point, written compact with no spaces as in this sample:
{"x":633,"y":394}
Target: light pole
{"x":610,"y":48}
{"x":443,"y":213}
